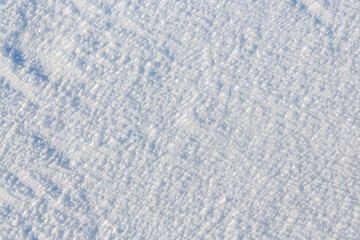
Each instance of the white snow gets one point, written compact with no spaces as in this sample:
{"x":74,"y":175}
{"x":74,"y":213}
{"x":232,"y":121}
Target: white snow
{"x":179,"y":119}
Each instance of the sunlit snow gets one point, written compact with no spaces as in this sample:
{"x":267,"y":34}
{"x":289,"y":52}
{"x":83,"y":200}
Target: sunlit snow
{"x":178,"y":119}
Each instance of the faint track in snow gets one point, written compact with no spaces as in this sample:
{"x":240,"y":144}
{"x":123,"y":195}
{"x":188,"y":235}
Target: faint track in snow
{"x":26,"y":89}
{"x":33,"y":97}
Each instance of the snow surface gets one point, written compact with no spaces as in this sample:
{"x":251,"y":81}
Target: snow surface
{"x":178,"y":119}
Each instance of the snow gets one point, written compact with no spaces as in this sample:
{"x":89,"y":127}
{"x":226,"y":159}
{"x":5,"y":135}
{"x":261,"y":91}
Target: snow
{"x":179,"y":119}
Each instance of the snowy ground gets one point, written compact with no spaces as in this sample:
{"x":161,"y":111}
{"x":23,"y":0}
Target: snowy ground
{"x":219,"y":119}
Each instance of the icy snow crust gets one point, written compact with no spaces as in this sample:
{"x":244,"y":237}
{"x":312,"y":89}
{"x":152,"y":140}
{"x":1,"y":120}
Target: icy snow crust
{"x":179,"y":119}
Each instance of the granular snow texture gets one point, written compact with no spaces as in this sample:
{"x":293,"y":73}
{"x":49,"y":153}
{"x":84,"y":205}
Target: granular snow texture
{"x":179,"y":119}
